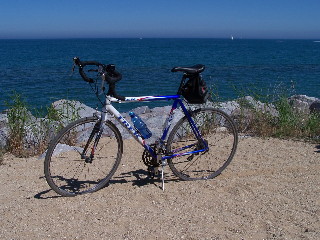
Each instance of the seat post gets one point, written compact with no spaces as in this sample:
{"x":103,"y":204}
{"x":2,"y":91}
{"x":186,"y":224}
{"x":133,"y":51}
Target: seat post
{"x":182,"y":83}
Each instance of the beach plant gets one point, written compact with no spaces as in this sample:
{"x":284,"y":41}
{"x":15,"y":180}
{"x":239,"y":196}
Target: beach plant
{"x":59,"y":117}
{"x":18,"y":116}
{"x":253,"y":119}
{"x":46,"y":128}
{"x":292,"y":123}
{"x":275,"y":117}
{"x":243,"y":116}
{"x":30,"y":135}
{"x":214,"y":93}
{"x":311,"y":128}
{"x":250,"y":118}
{"x":289,"y":121}
{"x":69,"y":112}
{"x":38,"y":136}
{"x":53,"y":119}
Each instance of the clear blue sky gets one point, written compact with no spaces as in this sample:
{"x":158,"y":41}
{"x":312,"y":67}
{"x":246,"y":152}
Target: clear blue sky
{"x":160,"y":18}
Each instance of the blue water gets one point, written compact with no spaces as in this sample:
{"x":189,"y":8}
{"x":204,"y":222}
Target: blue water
{"x":40,"y":69}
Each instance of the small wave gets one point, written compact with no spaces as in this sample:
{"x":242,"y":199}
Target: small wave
{"x":317,"y":41}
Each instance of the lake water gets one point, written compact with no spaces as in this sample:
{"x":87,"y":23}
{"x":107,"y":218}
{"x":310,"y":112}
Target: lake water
{"x":40,"y":70}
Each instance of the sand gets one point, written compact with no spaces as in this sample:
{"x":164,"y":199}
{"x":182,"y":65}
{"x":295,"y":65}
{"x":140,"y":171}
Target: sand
{"x":271,"y":190}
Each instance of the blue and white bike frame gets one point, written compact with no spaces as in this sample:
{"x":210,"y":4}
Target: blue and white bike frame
{"x":177,"y":102}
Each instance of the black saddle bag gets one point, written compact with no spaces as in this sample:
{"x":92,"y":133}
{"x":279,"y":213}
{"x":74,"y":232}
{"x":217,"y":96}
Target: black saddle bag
{"x":194,"y":89}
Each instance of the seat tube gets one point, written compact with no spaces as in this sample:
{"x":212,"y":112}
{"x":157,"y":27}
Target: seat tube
{"x":168,"y":121}
{"x":191,"y":122}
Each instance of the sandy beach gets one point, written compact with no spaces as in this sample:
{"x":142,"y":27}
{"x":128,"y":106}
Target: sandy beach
{"x":270,"y":190}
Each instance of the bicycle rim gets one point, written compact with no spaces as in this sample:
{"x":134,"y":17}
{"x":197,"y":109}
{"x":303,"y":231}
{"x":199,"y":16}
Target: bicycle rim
{"x":69,"y":172}
{"x":220,"y":135}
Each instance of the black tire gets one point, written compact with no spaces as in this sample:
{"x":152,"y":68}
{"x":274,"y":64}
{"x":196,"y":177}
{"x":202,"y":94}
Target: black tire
{"x":220,"y":134}
{"x":69,"y":174}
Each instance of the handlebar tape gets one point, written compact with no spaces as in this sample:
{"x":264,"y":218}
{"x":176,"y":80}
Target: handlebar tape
{"x":111,"y":80}
{"x":112,"y":92}
{"x":111,"y":76}
{"x":84,"y":76}
{"x":82,"y":64}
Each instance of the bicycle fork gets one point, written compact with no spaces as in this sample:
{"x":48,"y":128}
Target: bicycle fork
{"x":97,"y":130}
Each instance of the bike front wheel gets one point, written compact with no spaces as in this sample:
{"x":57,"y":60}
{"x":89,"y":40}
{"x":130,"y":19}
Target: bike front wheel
{"x":207,"y":156}
{"x":82,"y":158}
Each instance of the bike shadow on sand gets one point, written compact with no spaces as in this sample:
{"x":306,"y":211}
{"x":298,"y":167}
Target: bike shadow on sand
{"x":46,"y":193}
{"x":141,"y":178}
{"x":137,"y":178}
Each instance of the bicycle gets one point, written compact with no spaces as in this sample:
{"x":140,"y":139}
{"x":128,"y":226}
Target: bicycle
{"x":84,"y":155}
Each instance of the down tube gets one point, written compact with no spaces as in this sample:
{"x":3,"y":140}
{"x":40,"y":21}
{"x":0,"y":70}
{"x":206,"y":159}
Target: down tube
{"x":130,"y":129}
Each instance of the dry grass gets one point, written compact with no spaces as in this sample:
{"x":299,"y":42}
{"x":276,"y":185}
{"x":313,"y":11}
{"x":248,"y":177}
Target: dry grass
{"x":29,"y":135}
{"x":289,"y":123}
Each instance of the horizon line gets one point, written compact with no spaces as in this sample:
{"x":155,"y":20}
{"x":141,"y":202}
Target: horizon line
{"x":141,"y":38}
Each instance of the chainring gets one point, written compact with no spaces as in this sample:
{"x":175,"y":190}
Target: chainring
{"x":148,"y":160}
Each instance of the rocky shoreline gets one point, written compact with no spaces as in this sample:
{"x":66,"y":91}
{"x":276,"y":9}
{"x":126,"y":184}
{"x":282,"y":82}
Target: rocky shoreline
{"x":155,"y":117}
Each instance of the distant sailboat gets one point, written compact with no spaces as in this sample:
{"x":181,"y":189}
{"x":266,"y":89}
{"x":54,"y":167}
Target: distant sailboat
{"x":231,"y":37}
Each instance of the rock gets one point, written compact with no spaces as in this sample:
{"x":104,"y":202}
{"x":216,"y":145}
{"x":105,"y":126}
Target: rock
{"x":154,"y":119}
{"x":259,"y":106}
{"x":3,"y":119}
{"x":141,"y":110}
{"x":240,"y":110}
{"x":229,"y":107}
{"x":72,"y":110}
{"x":3,"y":130}
{"x":60,"y":149}
{"x":3,"y":137}
{"x":315,"y":107}
{"x":302,"y":103}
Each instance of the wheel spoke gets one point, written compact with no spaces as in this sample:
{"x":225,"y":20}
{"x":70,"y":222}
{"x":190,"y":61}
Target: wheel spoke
{"x":68,"y":173}
{"x":220,"y":135}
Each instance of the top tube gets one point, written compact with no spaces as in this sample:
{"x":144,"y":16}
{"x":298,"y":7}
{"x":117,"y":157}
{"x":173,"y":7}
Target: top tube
{"x":144,"y":98}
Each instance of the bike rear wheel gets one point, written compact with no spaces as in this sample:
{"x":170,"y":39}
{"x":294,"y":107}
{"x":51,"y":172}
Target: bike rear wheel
{"x":70,"y":169}
{"x":218,"y":132}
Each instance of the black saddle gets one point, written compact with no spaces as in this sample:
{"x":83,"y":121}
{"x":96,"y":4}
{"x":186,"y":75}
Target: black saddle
{"x":191,"y":70}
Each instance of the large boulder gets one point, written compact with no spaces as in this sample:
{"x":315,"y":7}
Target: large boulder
{"x":315,"y":107}
{"x":71,"y":110}
{"x":302,"y":103}
{"x":154,"y":119}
